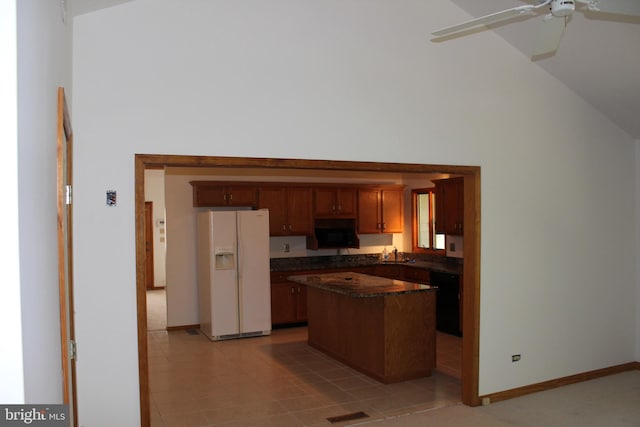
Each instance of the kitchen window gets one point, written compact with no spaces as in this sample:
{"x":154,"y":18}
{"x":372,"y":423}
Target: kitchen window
{"x":424,"y":237}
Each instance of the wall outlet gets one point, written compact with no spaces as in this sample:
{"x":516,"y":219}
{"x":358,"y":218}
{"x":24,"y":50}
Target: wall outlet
{"x":515,"y":358}
{"x":287,"y":248}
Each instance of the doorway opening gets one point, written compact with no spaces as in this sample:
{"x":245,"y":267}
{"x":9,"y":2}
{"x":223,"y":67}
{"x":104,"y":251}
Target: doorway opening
{"x":471,"y":266}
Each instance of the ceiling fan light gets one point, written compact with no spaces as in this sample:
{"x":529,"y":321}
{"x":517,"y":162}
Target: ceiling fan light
{"x":562,"y":8}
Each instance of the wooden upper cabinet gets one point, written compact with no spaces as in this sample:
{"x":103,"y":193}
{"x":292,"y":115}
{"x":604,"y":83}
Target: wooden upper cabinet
{"x":274,"y":199}
{"x":334,"y":202}
{"x":299,"y":210}
{"x":392,"y":211}
{"x":289,"y":209}
{"x":369,"y":212}
{"x":380,"y":210}
{"x":450,"y":206}
{"x":212,"y":194}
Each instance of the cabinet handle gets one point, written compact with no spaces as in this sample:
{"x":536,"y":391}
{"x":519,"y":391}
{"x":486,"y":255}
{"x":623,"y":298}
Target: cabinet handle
{"x":298,"y":289}
{"x":379,"y":226}
{"x":384,"y":225}
{"x":224,"y":197}
{"x":293,"y":290}
{"x":339,"y":208}
{"x":230,"y":197}
{"x":333,"y":208}
{"x":284,"y":227}
{"x":290,"y":227}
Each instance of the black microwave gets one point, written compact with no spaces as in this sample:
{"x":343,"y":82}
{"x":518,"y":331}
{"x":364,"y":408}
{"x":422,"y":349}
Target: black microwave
{"x":334,"y":233}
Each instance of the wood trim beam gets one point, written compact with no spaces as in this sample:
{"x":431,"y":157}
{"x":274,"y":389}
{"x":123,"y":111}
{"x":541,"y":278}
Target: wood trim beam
{"x":471,"y":291}
{"x":471,"y":283}
{"x":141,"y":295}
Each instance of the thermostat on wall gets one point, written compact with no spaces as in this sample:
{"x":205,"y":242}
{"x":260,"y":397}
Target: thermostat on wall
{"x":111,"y":197}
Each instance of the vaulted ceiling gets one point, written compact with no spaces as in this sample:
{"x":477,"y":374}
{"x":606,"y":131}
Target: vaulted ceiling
{"x":599,"y":59}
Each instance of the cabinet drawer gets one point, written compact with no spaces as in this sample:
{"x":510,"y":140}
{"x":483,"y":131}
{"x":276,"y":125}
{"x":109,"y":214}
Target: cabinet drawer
{"x":414,"y":274}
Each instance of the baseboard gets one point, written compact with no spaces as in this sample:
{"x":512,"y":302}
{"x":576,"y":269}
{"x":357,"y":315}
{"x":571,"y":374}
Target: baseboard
{"x":182,"y":327}
{"x":559,"y":382}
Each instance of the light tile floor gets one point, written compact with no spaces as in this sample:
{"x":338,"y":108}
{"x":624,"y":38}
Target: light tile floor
{"x":278,"y":380}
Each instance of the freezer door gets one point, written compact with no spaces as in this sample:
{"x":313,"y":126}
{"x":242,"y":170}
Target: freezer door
{"x":253,"y":271}
{"x":224,"y":289}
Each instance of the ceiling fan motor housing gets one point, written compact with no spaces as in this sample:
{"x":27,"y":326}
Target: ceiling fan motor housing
{"x":562,"y":7}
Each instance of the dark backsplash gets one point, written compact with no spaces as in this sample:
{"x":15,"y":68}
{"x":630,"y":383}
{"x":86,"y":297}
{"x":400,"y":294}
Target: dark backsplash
{"x":346,"y":261}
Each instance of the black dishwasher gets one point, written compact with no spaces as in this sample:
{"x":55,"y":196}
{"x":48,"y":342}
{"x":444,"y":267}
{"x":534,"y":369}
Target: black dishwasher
{"x":447,"y":302}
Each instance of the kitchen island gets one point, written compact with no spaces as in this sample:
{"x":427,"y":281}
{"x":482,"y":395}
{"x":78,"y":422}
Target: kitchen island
{"x":384,"y":328}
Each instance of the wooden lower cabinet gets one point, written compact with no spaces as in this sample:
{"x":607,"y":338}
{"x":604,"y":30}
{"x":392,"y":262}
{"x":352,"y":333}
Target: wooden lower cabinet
{"x":416,"y":275}
{"x":288,"y":300}
{"x":390,"y":271}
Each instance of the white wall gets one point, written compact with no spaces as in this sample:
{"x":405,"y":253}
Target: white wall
{"x":44,"y":63}
{"x":11,"y":363}
{"x":349,"y":80}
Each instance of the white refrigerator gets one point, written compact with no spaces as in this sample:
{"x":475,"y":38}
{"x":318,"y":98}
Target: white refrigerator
{"x":234,"y":287}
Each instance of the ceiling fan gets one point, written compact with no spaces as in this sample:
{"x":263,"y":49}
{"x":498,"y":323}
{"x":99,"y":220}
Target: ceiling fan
{"x":554,"y":23}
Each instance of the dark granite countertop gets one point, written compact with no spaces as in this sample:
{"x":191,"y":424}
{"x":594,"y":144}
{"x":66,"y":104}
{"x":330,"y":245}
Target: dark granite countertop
{"x":359,"y":285}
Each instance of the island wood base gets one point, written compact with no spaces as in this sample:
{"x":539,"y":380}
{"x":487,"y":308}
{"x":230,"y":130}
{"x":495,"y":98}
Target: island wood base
{"x":389,"y":338}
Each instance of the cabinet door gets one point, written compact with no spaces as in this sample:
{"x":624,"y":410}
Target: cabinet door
{"x":300,"y":221}
{"x":334,"y":202}
{"x":390,"y":271}
{"x":301,"y":303}
{"x":369,"y":216}
{"x":283,"y":303}
{"x":346,"y":202}
{"x":459,"y":212}
{"x":224,"y":195}
{"x":392,"y":209}
{"x":453,"y":205}
{"x":440,"y":220}
{"x":242,"y":196}
{"x":450,"y":206}
{"x":275,"y":199}
{"x":214,"y":195}
{"x":416,"y":275}
{"x":324,"y":201}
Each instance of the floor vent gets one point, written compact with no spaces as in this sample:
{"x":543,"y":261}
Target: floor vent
{"x":348,"y":417}
{"x":192,"y":331}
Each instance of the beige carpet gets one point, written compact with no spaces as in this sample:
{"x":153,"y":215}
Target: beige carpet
{"x":610,"y":401}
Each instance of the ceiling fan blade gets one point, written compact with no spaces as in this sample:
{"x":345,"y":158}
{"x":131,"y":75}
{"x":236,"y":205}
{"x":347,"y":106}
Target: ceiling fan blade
{"x":621,"y":7}
{"x":486,"y":20}
{"x":549,"y":35}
